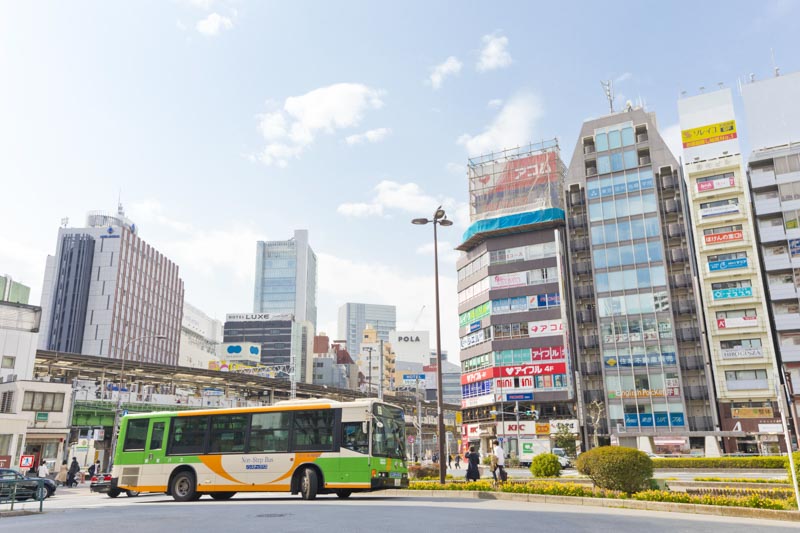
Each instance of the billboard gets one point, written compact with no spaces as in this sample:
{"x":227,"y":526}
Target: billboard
{"x":709,"y":133}
{"x":727,"y":236}
{"x":713,"y":185}
{"x":739,"y":322}
{"x":411,"y":346}
{"x":546,"y":328}
{"x":515,"y":183}
{"x":257,"y":317}
{"x":736,"y":292}
{"x":505,"y":281}
{"x":727,"y":264}
{"x":708,"y":126}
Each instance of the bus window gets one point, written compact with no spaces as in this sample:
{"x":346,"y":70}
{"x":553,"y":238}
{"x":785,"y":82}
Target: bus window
{"x":136,"y":434}
{"x":313,"y":430}
{"x":188,"y":435}
{"x":269,"y":432}
{"x":157,"y":437}
{"x":227,"y":433}
{"x":354,"y":438}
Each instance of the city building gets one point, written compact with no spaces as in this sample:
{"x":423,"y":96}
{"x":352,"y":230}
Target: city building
{"x":773,"y":119}
{"x":354,"y":318}
{"x":286,"y":278}
{"x":286,"y":343}
{"x":636,"y":321}
{"x":376,"y":370}
{"x":12,"y":291}
{"x":105,"y":288}
{"x":19,"y":337}
{"x":200,"y":336}
{"x":514,"y":323}
{"x":411,"y":346}
{"x":333,"y":366}
{"x":737,"y":322}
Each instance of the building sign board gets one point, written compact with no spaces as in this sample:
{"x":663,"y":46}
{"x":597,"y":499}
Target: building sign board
{"x":737,"y":322}
{"x":708,"y":134}
{"x":727,"y":236}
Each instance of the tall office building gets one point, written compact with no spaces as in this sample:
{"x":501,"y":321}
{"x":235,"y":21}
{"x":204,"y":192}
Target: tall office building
{"x":512,"y":316}
{"x":354,"y":319}
{"x":12,"y":291}
{"x":635,"y":310}
{"x":200,"y":336}
{"x":286,"y":278}
{"x":105,"y":287}
{"x":773,"y":119}
{"x":736,"y":316}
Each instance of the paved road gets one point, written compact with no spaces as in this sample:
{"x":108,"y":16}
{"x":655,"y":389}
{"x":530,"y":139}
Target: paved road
{"x":77,"y":509}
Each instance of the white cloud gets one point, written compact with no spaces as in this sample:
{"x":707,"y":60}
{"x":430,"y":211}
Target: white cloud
{"x":406,"y":197}
{"x":513,"y":126}
{"x":672,"y":137}
{"x":625,"y":76}
{"x":455,"y":168}
{"x":213,"y":24}
{"x":292,"y":128}
{"x":495,"y":103}
{"x":494,"y":54}
{"x":450,"y":67}
{"x":371,"y":136}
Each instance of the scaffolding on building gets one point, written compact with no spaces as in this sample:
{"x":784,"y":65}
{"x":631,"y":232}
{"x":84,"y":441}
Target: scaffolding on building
{"x":516,"y":180}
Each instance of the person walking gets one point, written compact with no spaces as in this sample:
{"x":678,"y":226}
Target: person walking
{"x":74,"y":468}
{"x":449,"y":460}
{"x":61,"y":477}
{"x":473,"y":460}
{"x":499,"y":461}
{"x":43,"y":470}
{"x":458,"y":461}
{"x":94,"y":469}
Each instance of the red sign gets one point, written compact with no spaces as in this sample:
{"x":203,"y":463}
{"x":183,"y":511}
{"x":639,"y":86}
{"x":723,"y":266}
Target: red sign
{"x":478,"y":375}
{"x":5,"y":461}
{"x":738,"y":322}
{"x":547,"y":353}
{"x":534,"y":370}
{"x":429,"y":368}
{"x":26,"y":461}
{"x":728,"y":236}
{"x":721,"y":183}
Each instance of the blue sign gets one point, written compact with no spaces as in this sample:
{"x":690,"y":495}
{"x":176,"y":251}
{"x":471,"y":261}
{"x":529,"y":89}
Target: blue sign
{"x":646,"y":419}
{"x":647,"y":183}
{"x":736,"y":292}
{"x":666,"y":358}
{"x":125,"y":412}
{"x":662,"y":419}
{"x":413,"y":377}
{"x":794,"y":247}
{"x":475,"y":326}
{"x":631,"y":420}
{"x":676,"y":419}
{"x":479,"y":388}
{"x":519,"y":397}
{"x":729,"y":264}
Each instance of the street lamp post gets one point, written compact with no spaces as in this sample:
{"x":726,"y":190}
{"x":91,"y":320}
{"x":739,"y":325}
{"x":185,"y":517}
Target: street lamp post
{"x":118,"y":408}
{"x":439,"y":218}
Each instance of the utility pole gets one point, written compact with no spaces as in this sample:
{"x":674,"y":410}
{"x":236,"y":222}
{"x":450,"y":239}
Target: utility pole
{"x":519,"y":446}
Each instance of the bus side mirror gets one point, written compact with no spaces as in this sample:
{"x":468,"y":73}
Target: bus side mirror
{"x":364,"y":427}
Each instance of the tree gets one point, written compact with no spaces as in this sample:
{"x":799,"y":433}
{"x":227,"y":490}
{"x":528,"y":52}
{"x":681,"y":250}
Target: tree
{"x":596,"y":409}
{"x":564,"y":438}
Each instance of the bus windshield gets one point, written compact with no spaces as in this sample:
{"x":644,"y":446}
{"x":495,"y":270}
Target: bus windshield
{"x":388,"y":432}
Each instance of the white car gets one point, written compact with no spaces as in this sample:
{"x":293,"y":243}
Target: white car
{"x":562,"y":457}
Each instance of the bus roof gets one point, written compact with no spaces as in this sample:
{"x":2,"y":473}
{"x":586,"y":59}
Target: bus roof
{"x":285,"y":405}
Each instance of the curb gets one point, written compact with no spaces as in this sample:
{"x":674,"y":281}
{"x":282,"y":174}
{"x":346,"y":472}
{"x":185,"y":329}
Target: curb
{"x":689,"y":508}
{"x":21,"y":512}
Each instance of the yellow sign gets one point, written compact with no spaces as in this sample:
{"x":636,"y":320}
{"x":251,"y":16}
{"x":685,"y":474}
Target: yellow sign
{"x":458,"y":418}
{"x":543,"y":429}
{"x":751,"y":412}
{"x":712,"y":133}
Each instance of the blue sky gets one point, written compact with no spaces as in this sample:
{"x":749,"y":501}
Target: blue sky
{"x":224,"y":122}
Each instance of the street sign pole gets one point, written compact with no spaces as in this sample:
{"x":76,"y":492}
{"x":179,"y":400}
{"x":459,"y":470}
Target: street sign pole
{"x":519,"y":446}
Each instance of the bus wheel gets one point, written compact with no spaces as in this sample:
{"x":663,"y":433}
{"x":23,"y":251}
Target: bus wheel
{"x":309,"y":484}
{"x":344,"y":493}
{"x":184,"y":488}
{"x":222,"y":495}
{"x":113,"y":493}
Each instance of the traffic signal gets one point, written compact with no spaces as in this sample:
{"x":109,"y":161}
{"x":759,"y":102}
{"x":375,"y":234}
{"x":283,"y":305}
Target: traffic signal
{"x":533,"y":414}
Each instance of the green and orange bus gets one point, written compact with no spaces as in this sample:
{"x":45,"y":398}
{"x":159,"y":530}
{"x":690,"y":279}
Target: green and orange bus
{"x":309,"y":447}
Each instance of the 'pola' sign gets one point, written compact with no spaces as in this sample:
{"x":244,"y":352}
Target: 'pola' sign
{"x":410,"y":338}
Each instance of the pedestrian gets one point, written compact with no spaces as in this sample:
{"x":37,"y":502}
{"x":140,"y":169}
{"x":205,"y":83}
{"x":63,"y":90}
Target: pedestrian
{"x":416,"y":458}
{"x":93,"y":469}
{"x":43,"y":470}
{"x":61,"y":477}
{"x":449,"y":460}
{"x":499,"y":460}
{"x":458,"y":461}
{"x":74,"y":468}
{"x":473,"y":460}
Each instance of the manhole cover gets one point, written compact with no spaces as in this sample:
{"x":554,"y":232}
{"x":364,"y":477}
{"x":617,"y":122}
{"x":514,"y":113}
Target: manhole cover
{"x":272,"y":515}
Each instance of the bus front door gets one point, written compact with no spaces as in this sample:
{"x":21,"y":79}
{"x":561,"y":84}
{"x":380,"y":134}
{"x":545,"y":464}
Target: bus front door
{"x":153,"y":475}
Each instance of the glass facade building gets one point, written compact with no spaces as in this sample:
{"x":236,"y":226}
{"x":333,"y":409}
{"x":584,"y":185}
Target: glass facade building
{"x":354,"y":319}
{"x":637,"y":335}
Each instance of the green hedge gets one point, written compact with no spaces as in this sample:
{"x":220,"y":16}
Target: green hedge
{"x":616,"y":468}
{"x":796,"y":457}
{"x":769,"y":461}
{"x":545,"y":465}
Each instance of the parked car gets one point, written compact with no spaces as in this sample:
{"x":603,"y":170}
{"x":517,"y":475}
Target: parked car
{"x":102,"y":483}
{"x":562,"y":457}
{"x":26,"y":486}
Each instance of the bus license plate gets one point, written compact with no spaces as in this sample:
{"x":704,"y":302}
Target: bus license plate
{"x":395,"y":474}
{"x":396,"y":482}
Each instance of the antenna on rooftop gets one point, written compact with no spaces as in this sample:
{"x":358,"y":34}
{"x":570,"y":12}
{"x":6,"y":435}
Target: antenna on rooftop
{"x":608,"y":88}
{"x":775,"y":69}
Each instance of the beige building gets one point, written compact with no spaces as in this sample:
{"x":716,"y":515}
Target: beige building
{"x":369,"y":362}
{"x":736,"y":316}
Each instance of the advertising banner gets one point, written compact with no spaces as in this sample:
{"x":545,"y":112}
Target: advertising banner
{"x":645,"y":393}
{"x":477,"y":400}
{"x":738,"y":322}
{"x":478,"y":375}
{"x":514,"y":279}
{"x":472,"y":339}
{"x":728,"y":236}
{"x":539,"y":301}
{"x":710,"y":133}
{"x":794,"y":247}
{"x":741,"y":353}
{"x":736,"y":292}
{"x":729,"y":264}
{"x":477,"y":389}
{"x":751,"y":412}
{"x":667,"y":358}
{"x":713,"y":185}
{"x":547,"y":353}
{"x":475,"y":326}
{"x":476,"y":313}
{"x":659,"y":419}
{"x":534,"y":370}
{"x":545,"y":328}
{"x":719,"y":210}
{"x":519,"y":397}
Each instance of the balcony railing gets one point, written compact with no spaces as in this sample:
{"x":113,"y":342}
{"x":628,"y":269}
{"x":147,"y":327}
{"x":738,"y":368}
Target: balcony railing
{"x":688,"y":334}
{"x":585,"y":316}
{"x":695,"y":393}
{"x":692,"y":362}
{"x":579,"y":244}
{"x":584,"y":291}
{"x":577,"y":222}
{"x":701,"y":423}
{"x":589,"y":341}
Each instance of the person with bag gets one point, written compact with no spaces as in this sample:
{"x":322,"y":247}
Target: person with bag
{"x":473,"y":460}
{"x":74,"y":468}
{"x":499,"y":461}
{"x":61,"y":477}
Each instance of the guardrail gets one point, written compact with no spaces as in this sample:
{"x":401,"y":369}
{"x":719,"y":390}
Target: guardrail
{"x":9,"y":492}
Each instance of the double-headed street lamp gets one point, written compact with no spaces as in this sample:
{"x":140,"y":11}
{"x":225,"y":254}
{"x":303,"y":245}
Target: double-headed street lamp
{"x":440,"y":219}
{"x":118,"y":409}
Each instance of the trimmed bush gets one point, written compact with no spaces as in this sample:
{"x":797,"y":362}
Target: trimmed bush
{"x":617,"y":468}
{"x":769,"y":461}
{"x":423,"y":471}
{"x":545,"y":465}
{"x":796,"y":457}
